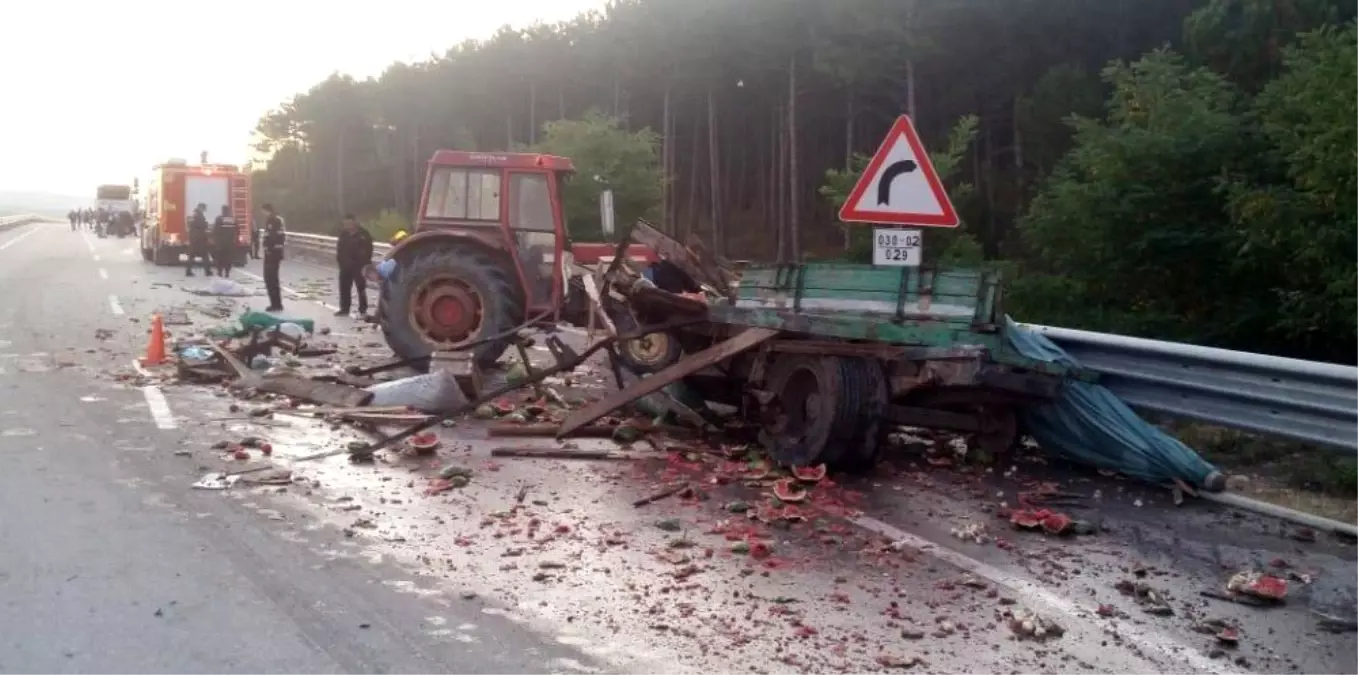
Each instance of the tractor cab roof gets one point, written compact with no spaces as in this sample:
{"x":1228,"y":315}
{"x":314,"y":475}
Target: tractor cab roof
{"x":505,"y":160}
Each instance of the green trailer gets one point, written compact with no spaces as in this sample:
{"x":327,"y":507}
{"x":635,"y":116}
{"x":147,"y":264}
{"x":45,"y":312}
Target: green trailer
{"x":826,"y":357}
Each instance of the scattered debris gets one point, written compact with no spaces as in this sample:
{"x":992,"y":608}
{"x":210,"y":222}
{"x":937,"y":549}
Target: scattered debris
{"x":663,"y":494}
{"x":1257,"y":585}
{"x":1027,"y":624}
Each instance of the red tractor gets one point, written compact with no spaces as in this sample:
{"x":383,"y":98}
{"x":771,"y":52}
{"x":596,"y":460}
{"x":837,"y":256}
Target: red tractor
{"x":490,"y":253}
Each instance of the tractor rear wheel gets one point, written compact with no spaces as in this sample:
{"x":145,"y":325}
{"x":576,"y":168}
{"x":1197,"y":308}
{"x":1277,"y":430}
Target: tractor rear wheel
{"x":448,"y":297}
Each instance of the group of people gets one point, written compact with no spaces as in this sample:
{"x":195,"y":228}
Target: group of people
{"x":102,"y":221}
{"x":214,"y":245}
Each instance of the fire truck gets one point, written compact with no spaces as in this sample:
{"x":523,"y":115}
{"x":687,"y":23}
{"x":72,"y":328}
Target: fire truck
{"x":172,"y":192}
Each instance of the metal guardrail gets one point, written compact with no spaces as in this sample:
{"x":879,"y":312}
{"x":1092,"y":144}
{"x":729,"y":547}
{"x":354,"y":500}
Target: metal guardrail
{"x":1300,"y":400}
{"x":323,"y":246}
{"x":14,"y":221}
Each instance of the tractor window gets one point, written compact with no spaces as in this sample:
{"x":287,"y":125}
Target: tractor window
{"x":531,"y":205}
{"x":464,"y":194}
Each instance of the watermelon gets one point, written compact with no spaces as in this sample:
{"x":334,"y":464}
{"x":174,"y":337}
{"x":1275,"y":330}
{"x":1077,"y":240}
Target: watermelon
{"x":1057,"y":523}
{"x":809,"y":474}
{"x":759,"y":470}
{"x":424,"y":443}
{"x":1025,"y":519}
{"x":786,"y":490}
{"x":503,"y":407}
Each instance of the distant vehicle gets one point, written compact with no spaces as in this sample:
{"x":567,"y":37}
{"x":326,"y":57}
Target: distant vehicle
{"x":172,"y":192}
{"x":114,"y":198}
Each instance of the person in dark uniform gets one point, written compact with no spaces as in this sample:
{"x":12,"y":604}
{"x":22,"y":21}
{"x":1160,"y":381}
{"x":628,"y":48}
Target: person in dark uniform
{"x":353,"y":251}
{"x":199,"y":241}
{"x":254,"y":239}
{"x":224,"y":235}
{"x":274,"y":236}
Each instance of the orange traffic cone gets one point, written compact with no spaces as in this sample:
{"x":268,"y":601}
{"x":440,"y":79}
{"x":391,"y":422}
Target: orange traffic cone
{"x":155,"y":347}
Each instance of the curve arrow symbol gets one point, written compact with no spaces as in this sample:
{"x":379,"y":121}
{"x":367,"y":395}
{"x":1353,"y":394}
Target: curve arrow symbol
{"x":884,"y":185}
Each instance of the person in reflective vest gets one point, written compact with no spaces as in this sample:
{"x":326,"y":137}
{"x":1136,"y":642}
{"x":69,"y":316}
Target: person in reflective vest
{"x":224,"y":234}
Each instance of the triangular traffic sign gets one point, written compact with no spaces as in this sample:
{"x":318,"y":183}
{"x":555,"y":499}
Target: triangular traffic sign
{"x":900,"y":186}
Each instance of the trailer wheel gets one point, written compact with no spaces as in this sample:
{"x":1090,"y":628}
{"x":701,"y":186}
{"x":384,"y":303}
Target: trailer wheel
{"x":999,"y":433}
{"x":650,"y":353}
{"x":864,"y":377}
{"x":448,"y":297}
{"x":147,"y":254}
{"x":810,"y":410}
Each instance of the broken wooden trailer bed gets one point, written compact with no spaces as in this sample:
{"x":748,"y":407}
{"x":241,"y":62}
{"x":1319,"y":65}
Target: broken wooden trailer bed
{"x":824,"y":357}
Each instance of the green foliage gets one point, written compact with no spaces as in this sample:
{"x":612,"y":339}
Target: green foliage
{"x":605,"y":156}
{"x":387,"y":223}
{"x":954,"y":246}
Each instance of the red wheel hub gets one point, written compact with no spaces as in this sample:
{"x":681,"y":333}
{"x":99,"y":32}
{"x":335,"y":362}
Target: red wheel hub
{"x":447,"y":311}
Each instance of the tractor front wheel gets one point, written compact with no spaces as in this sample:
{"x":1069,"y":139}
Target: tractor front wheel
{"x":449,"y":297}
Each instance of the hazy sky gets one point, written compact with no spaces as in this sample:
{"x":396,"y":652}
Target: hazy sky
{"x":96,"y":92}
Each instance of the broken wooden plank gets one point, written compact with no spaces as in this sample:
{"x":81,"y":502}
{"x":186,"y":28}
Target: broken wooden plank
{"x":677,"y":253}
{"x":509,"y":430}
{"x":557,"y":453}
{"x":750,"y":337}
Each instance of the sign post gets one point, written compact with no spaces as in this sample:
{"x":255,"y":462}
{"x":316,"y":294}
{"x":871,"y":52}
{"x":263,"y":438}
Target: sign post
{"x":899,"y":187}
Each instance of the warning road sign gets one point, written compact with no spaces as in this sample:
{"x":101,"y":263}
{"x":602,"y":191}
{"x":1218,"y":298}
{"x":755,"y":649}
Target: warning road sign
{"x":900,"y":186}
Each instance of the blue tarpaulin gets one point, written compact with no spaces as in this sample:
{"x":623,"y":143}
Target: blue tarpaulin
{"x":1090,"y":425}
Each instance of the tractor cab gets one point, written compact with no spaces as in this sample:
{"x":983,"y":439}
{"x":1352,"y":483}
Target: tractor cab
{"x":510,"y":202}
{"x":488,"y":254}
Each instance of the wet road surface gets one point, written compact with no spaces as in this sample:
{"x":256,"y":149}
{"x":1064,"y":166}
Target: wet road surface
{"x":545,"y":565}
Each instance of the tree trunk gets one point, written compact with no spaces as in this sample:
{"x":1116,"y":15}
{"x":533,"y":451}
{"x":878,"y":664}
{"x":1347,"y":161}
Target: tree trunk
{"x":784,"y":239}
{"x":416,"y":178}
{"x":532,"y":113}
{"x":1019,"y":177}
{"x":617,"y":96}
{"x":714,"y":172}
{"x":691,"y":221}
{"x":339,"y":172}
{"x":910,"y":91}
{"x":666,"y":153}
{"x":795,"y":245}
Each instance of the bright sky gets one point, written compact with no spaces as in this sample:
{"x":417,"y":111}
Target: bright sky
{"x":97,"y":92}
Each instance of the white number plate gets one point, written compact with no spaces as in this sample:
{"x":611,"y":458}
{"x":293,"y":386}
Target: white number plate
{"x":897,"y":248}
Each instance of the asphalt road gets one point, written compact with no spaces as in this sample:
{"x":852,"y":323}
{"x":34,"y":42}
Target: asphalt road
{"x":110,"y":562}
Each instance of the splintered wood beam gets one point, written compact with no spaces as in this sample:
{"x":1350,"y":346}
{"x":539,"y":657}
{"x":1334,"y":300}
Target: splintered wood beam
{"x":750,"y":337}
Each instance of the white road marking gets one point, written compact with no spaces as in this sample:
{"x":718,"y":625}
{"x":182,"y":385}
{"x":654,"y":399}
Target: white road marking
{"x":88,"y":241}
{"x":96,"y":257}
{"x":160,"y":408}
{"x":1035,"y":594}
{"x":17,"y":239}
{"x":113,"y":305}
{"x":103,"y":274}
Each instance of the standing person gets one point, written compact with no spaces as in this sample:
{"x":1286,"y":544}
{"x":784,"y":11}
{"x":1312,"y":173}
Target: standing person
{"x":199,"y":241}
{"x":224,"y":234}
{"x":353,"y":250}
{"x":274,"y":236}
{"x":254,"y":238}
{"x":70,"y":215}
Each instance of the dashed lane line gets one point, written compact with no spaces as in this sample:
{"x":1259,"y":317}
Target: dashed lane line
{"x":96,"y":257}
{"x":156,"y":402}
{"x":19,"y":238}
{"x":103,"y":274}
{"x":114,"y":306}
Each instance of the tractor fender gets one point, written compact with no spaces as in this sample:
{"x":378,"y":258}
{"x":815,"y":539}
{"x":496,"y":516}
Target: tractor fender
{"x":490,"y":244}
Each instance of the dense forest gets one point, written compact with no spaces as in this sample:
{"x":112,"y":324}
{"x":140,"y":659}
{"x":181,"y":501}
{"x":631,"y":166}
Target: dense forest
{"x":1182,"y":169}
